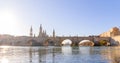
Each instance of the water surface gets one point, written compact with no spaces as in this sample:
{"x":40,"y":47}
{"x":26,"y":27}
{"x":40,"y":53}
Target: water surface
{"x":65,"y":54}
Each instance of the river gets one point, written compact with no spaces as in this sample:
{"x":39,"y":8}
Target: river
{"x":64,"y":54}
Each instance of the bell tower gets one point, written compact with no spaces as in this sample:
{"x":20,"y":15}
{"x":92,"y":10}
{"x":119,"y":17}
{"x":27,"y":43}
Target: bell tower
{"x":40,"y":31}
{"x":53,"y":34}
{"x":31,"y":32}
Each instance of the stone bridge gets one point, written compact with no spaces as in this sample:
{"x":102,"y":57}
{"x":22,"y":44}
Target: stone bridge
{"x":57,"y":41}
{"x":75,"y":40}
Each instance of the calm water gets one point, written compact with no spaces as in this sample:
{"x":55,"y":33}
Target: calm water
{"x":65,"y":54}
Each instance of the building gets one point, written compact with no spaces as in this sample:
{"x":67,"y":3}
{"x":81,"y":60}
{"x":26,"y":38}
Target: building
{"x":111,"y":33}
{"x":114,"y":34}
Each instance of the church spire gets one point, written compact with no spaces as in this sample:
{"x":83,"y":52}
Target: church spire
{"x":45,"y":33}
{"x":53,"y":33}
{"x":40,"y":31}
{"x":31,"y":32}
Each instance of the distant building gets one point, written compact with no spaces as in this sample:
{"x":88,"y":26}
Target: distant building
{"x":42,"y":33}
{"x":31,"y":32}
{"x":111,"y":33}
{"x":54,"y":34}
{"x":114,"y":34}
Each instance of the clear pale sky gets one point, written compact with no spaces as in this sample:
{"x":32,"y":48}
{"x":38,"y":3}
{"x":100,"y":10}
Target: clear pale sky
{"x":67,"y":17}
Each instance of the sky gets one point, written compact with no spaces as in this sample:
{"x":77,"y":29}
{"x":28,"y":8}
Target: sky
{"x":67,"y":17}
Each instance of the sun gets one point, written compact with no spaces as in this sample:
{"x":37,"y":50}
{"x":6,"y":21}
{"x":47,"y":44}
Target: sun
{"x":8,"y":22}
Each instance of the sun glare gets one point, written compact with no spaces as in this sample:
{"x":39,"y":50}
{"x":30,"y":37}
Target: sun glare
{"x":4,"y":60}
{"x":5,"y":46}
{"x":8,"y":22}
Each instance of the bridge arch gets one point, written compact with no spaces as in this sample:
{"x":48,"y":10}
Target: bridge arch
{"x":86,"y":43}
{"x":66,"y":42}
{"x":49,"y":42}
{"x":33,"y":43}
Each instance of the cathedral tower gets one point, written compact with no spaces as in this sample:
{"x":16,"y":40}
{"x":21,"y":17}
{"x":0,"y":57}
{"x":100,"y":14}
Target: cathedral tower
{"x":40,"y":31}
{"x":53,"y":33}
{"x":31,"y":32}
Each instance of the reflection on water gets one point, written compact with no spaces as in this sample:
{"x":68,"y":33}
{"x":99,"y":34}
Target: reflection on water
{"x":64,"y":54}
{"x":84,"y":50}
{"x":66,"y":50}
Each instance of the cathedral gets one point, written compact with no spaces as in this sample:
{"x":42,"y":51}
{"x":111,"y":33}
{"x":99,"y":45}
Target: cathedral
{"x":42,"y":32}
